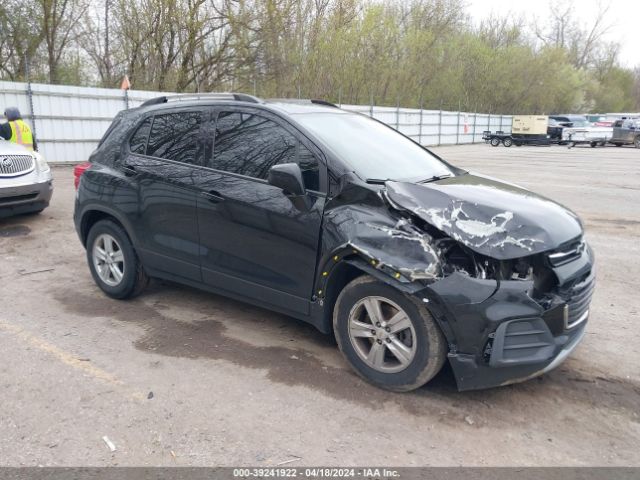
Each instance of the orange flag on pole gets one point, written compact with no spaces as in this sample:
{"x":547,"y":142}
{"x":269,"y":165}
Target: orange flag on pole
{"x":126,"y":84}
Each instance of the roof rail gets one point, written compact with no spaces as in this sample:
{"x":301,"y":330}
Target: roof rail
{"x":324,"y":102}
{"x":239,"y":97}
{"x":304,"y":101}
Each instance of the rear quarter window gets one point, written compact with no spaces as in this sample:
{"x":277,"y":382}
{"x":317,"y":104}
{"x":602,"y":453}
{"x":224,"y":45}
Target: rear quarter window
{"x":138,"y":141}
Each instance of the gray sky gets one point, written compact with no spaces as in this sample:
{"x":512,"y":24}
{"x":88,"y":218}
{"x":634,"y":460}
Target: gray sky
{"x":623,"y":15}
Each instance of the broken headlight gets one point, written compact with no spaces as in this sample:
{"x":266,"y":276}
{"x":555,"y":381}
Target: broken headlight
{"x":458,"y":258}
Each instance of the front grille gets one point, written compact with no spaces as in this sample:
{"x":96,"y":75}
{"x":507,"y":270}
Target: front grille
{"x":578,"y":300}
{"x":12,"y":165}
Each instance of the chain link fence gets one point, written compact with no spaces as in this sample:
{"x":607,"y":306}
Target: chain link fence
{"x":69,"y":121}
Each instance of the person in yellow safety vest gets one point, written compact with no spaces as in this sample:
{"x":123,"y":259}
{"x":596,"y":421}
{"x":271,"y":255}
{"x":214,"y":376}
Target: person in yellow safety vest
{"x":16,"y":130}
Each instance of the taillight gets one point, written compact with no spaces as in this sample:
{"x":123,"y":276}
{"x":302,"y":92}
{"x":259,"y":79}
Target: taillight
{"x":78,"y":170}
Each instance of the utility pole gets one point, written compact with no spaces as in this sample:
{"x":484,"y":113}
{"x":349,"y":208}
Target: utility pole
{"x":30,"y":94}
{"x":107,"y":54}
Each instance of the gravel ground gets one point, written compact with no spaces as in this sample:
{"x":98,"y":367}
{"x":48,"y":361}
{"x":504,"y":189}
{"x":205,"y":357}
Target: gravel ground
{"x":182,"y":377}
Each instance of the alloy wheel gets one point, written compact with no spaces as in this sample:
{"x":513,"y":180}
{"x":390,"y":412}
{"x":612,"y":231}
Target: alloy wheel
{"x":382,"y":334}
{"x":108,"y":259}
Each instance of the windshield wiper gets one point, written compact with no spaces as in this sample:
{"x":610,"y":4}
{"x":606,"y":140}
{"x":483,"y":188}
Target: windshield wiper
{"x":436,"y":177}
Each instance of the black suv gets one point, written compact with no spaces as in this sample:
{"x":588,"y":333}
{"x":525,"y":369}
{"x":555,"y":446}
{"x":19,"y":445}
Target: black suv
{"x":338,"y":220}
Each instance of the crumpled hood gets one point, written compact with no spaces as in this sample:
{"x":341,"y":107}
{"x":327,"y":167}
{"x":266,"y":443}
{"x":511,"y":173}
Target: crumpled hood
{"x":495,"y":219}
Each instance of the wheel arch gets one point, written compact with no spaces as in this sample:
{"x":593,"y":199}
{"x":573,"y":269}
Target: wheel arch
{"x":339,"y":276}
{"x":344,"y":271}
{"x":92,"y":215}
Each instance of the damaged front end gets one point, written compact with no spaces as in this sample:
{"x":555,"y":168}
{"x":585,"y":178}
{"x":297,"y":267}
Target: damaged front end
{"x":518,"y":322}
{"x":509,"y":287}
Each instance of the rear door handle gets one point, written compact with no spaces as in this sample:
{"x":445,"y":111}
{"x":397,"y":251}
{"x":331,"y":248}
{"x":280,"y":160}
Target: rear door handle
{"x":213,"y":196}
{"x":129,"y":170}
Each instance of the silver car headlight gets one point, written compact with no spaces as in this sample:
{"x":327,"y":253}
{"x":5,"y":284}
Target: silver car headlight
{"x":42,"y":164}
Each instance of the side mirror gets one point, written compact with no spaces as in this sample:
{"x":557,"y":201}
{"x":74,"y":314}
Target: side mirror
{"x":288,"y":177}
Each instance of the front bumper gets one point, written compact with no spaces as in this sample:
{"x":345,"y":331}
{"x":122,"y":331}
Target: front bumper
{"x":499,"y":335}
{"x":472,"y":373}
{"x":24,"y":196}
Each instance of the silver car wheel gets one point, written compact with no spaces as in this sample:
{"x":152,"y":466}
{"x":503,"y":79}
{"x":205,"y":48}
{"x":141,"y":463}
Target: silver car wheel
{"x":382,"y":334}
{"x":108,"y":259}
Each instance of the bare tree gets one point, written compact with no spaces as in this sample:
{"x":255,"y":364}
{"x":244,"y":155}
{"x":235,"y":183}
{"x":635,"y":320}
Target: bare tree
{"x":563,"y":30}
{"x":59,"y":29}
{"x":20,"y":38}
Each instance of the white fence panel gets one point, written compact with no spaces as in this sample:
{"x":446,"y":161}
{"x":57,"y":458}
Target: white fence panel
{"x":69,"y":121}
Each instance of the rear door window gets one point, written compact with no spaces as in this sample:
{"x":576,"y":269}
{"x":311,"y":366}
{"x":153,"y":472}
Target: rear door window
{"x":174,"y":136}
{"x":249,"y":144}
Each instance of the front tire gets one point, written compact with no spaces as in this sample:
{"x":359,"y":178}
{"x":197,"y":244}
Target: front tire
{"x":389,"y":338}
{"x":113,"y":262}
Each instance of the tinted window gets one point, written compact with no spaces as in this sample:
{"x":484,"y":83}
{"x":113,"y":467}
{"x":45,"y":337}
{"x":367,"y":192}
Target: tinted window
{"x":250,"y":145}
{"x":372,"y":149}
{"x":174,"y":136}
{"x":138,"y":142}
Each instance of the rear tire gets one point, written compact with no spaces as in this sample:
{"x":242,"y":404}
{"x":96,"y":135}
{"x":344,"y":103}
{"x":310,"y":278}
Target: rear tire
{"x":507,"y":142}
{"x":495,"y":142}
{"x":404,"y":352}
{"x":636,"y":142}
{"x":113,"y":261}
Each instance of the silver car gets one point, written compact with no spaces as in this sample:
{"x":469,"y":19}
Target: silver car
{"x":26,"y":184}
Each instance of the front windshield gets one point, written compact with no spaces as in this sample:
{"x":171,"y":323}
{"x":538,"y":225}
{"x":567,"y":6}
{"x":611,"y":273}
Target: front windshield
{"x":373,"y":150}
